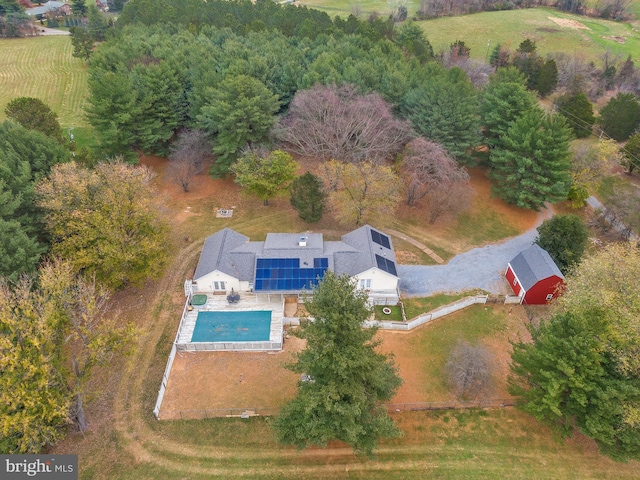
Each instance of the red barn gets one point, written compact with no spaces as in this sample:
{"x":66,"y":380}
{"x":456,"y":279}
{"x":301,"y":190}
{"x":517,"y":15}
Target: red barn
{"x":534,"y":276}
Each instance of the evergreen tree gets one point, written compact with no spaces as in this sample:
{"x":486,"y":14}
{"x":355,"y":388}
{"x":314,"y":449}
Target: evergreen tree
{"x":113,"y":112}
{"x":445,"y":110}
{"x":307,"y":197}
{"x":82,"y":42}
{"x":547,"y":78}
{"x":620,"y":117}
{"x":578,"y":111}
{"x":79,"y":7}
{"x":565,"y":378}
{"x":19,"y":252}
{"x":348,"y":377}
{"x":34,"y":114}
{"x":565,"y":238}
{"x":160,"y":98}
{"x":533,"y":164}
{"x":98,"y":24}
{"x":504,"y":100}
{"x":411,"y":38}
{"x":239,"y":111}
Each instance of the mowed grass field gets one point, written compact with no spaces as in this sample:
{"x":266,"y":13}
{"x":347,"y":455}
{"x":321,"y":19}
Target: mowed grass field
{"x":589,"y":37}
{"x":552,"y":30}
{"x":43,"y":67}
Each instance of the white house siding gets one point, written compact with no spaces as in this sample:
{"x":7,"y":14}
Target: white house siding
{"x":204,"y":284}
{"x":380,"y":280}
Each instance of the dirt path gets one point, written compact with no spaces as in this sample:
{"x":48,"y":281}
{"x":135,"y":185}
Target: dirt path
{"x":415,"y":243}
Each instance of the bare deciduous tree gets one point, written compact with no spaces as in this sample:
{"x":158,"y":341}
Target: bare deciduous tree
{"x":182,"y":172}
{"x":187,"y":157}
{"x":469,"y":369}
{"x":431,"y":173}
{"x":339,"y":123}
{"x":451,"y":198}
{"x":477,"y":70}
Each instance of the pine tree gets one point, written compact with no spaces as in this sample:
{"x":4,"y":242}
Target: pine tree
{"x":34,"y":114}
{"x":504,"y":100}
{"x":565,"y":238}
{"x":547,"y":78}
{"x":308,"y":198}
{"x":565,"y":378}
{"x":620,"y":116}
{"x":445,"y":110}
{"x":533,"y":164}
{"x":240,"y":111}
{"x":348,"y":377}
{"x":578,"y":111}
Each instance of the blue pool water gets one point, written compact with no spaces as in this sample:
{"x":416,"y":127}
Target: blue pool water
{"x":250,"y":326}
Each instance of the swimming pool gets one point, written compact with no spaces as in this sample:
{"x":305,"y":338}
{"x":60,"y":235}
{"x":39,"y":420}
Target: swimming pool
{"x":242,"y":326}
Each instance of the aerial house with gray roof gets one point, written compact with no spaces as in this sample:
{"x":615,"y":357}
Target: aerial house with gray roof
{"x":287,"y":263}
{"x":534,"y":276}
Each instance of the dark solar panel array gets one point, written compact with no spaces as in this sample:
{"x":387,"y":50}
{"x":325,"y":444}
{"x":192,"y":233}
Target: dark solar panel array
{"x":380,"y":239}
{"x":386,"y":265}
{"x":286,"y":274}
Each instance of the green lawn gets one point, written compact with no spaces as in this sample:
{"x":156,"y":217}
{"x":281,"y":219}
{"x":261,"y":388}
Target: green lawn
{"x":415,"y":306}
{"x":433,"y":344}
{"x":394,"y":316}
{"x":482,"y":226}
{"x":43,"y":67}
{"x":482,"y":31}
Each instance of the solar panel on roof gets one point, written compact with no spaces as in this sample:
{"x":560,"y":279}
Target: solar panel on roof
{"x":286,"y":274}
{"x":380,"y":239}
{"x":387,"y":265}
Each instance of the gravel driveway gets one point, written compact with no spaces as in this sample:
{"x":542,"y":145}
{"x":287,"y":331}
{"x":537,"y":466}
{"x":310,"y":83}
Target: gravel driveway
{"x":480,"y":268}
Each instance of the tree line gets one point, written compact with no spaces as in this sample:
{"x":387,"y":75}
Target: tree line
{"x":70,"y":233}
{"x":151,"y":85}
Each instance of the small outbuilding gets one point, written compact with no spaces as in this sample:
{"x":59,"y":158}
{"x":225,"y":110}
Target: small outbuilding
{"x":534,"y":276}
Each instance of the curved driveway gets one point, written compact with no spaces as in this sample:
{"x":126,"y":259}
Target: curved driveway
{"x":480,"y":268}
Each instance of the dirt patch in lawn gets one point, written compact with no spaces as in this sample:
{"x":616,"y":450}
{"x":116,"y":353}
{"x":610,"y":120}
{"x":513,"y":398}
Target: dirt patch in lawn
{"x":185,"y":204}
{"x":566,"y":23}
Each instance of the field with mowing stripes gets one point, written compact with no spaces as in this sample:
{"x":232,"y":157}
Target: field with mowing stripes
{"x":43,"y":67}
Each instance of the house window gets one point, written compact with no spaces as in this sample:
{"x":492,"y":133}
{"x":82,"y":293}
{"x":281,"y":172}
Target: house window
{"x":219,"y":286}
{"x":365,"y":284}
{"x":549,"y":297}
{"x":515,"y":280}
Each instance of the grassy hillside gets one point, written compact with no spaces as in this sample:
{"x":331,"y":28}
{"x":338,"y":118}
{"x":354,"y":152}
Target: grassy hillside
{"x":569,"y":33}
{"x":43,"y":67}
{"x":553,"y":31}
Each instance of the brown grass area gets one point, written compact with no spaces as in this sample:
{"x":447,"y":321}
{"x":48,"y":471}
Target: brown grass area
{"x":219,"y":380}
{"x":438,"y":234}
{"x":202,"y":381}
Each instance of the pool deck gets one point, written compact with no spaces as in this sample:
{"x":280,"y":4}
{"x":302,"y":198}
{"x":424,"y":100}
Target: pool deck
{"x":219,"y":303}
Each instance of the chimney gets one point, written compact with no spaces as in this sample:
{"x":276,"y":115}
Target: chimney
{"x":302,"y":242}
